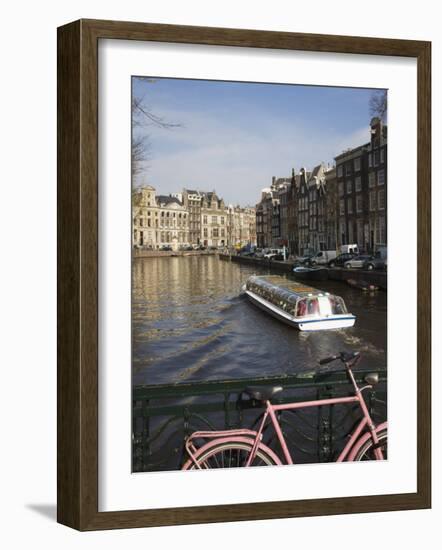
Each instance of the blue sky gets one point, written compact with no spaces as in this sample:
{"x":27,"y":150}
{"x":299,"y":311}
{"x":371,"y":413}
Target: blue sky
{"x":235,"y":136}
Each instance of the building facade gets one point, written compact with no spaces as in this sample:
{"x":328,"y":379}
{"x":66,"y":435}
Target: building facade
{"x":361,"y":175}
{"x":158,"y":220}
{"x":192,"y":202}
{"x":189,"y":218}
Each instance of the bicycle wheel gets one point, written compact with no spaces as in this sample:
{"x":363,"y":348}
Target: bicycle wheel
{"x":366,"y":452}
{"x":231,"y":454}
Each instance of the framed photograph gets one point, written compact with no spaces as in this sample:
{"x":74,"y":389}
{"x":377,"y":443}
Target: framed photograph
{"x":243,"y":274}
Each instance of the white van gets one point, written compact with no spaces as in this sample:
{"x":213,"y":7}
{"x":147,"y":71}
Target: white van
{"x":349,"y":249}
{"x":322,"y":257}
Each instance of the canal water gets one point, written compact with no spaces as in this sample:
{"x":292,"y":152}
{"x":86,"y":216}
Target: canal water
{"x":190,"y":322}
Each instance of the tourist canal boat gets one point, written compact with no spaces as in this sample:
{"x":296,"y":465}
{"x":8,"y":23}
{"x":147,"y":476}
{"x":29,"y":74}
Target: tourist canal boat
{"x":298,"y":305}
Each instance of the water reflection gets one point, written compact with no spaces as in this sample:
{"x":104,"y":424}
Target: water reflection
{"x":191,"y":323}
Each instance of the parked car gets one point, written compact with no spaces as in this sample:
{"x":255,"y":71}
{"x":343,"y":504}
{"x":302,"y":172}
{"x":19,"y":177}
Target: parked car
{"x":271,"y":252}
{"x":165,"y":248}
{"x":340,"y":260}
{"x":377,"y":262}
{"x":276,"y":257}
{"x":358,"y":262}
{"x":303,"y":260}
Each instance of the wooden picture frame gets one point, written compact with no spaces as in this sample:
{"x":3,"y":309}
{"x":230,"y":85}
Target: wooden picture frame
{"x":78,"y":273}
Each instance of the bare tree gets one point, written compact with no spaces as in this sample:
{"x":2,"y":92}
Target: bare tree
{"x":378,"y":104}
{"x":142,"y":118}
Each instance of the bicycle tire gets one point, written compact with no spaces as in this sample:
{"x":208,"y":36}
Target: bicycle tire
{"x":231,"y":454}
{"x":366,"y":452}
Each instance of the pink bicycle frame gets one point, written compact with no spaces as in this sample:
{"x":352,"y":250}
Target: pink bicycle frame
{"x":349,"y":452}
{"x":366,"y":420}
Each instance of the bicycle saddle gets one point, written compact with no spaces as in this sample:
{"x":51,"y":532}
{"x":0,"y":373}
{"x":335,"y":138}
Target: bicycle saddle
{"x":262,"y":393}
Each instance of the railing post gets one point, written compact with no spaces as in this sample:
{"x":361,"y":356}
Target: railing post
{"x":146,"y":434}
{"x":324,"y":426}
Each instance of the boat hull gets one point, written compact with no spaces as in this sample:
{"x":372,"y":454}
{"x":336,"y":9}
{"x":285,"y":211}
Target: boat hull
{"x":307,"y":325}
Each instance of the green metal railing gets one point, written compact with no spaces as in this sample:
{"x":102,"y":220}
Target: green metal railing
{"x":164,"y":415}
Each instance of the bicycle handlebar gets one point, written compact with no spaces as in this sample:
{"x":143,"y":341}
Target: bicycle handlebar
{"x":329,"y":359}
{"x":344,"y":356}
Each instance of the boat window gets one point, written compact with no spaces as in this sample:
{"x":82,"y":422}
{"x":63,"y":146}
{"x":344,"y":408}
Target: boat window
{"x":312,"y":306}
{"x":324,"y":305}
{"x":337,"y":305}
{"x":301,"y":308}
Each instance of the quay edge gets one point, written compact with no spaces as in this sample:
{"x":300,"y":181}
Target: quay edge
{"x":378,"y":278}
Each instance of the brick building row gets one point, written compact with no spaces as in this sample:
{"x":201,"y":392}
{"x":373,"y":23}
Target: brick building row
{"x":323,"y":208}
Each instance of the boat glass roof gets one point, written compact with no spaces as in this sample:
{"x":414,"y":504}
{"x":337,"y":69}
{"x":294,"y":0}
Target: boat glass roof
{"x":286,"y":284}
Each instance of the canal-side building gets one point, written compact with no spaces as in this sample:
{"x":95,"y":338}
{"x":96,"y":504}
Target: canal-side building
{"x":330,"y":209}
{"x":213,"y":220}
{"x":173,"y":222}
{"x":284,"y":194}
{"x":241,"y":223}
{"x":303,"y":213}
{"x":316,"y":208}
{"x":192,"y":202}
{"x":361,"y":175}
{"x":268,"y":214}
{"x":158,"y":220}
{"x":145,"y":220}
{"x":377,"y":186}
{"x":264,"y":213}
{"x":292,"y":213}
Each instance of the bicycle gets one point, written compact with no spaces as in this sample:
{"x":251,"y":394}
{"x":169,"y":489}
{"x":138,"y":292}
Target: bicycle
{"x":244,"y":447}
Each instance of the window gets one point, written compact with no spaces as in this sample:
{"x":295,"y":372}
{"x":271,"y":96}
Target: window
{"x":382,"y":232}
{"x":349,"y":187}
{"x":357,"y":164}
{"x":382,"y":156}
{"x":360,"y":232}
{"x":222,"y":221}
{"x":381,"y":177}
{"x":214,"y":219}
{"x":376,"y":158}
{"x":372,"y":200}
{"x":340,"y":171}
{"x":215,"y":232}
{"x":347,"y":169}
{"x":350,"y":206}
{"x":370,"y":160}
{"x":371,"y":179}
{"x":381,"y":199}
{"x":205,"y":219}
{"x":358,"y":183}
{"x":359,"y":203}
{"x":141,"y":222}
{"x":205,"y":232}
{"x":341,"y":188}
{"x":341,"y":207}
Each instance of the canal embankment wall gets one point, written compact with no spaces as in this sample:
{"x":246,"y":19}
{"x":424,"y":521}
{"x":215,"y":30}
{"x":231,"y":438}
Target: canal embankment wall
{"x":378,"y":278}
{"x":140,"y":253}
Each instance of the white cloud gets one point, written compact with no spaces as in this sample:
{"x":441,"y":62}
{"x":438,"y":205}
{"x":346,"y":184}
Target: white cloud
{"x":238,"y":161}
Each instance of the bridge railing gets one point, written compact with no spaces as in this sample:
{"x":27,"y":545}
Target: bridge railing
{"x":164,"y":415}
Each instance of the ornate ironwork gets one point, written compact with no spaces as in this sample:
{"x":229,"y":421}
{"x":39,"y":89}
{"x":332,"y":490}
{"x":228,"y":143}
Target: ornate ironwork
{"x":164,"y":415}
